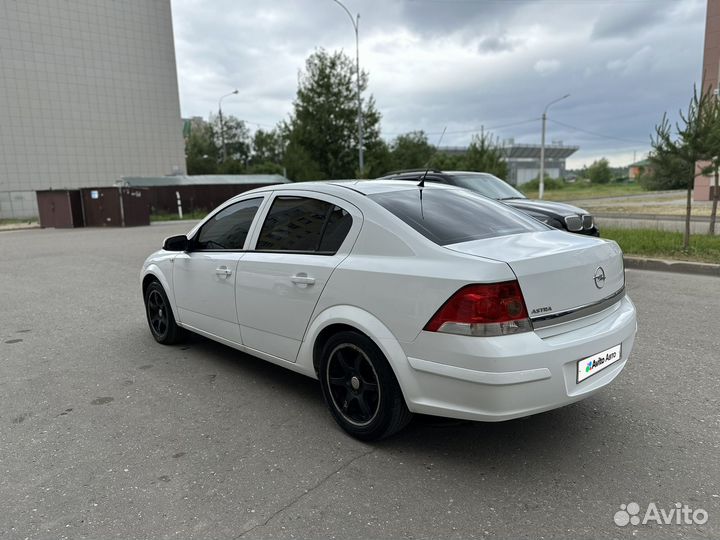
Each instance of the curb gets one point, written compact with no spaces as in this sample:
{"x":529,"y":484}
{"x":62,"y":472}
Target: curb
{"x":628,"y":196}
{"x":679,"y":267}
{"x":653,"y":217}
{"x":22,"y":227}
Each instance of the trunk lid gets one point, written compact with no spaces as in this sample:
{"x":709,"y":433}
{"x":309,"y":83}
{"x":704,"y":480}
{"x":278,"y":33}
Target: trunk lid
{"x":556,"y":270}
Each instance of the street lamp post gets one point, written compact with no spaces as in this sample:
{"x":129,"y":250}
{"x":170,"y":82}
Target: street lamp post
{"x":356,"y":23}
{"x":222,"y":125}
{"x":542,"y":146}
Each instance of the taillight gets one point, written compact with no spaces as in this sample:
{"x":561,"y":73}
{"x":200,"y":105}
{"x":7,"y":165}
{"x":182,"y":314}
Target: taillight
{"x":492,"y":309}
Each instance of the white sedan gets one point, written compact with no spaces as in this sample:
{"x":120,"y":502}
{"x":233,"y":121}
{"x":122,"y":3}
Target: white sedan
{"x":400,"y":299}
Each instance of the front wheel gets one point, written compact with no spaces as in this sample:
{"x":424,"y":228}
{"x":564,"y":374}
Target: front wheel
{"x":160,"y":317}
{"x":360,"y":388}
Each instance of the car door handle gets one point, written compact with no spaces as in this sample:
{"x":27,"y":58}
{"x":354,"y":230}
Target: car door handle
{"x":223,"y":271}
{"x":302,"y":279}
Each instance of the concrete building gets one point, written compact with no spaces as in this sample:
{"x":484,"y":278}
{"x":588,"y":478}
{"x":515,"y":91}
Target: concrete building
{"x":637,"y":169}
{"x":704,"y":185}
{"x":88,"y":94}
{"x":524,"y":161}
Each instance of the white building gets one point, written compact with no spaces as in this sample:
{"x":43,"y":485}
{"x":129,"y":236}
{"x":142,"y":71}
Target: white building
{"x":88,"y":94}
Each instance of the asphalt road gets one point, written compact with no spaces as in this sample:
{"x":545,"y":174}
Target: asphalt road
{"x":104,"y":433}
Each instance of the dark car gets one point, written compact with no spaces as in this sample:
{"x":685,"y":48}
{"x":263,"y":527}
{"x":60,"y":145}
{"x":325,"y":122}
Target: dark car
{"x":559,"y":215}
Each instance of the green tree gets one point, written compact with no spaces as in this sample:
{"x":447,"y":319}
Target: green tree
{"x":378,"y":159}
{"x":300,"y":165}
{"x":485,"y":154}
{"x":411,"y":151}
{"x":267,"y":147}
{"x":599,"y":172}
{"x":266,"y":167}
{"x":689,"y":144}
{"x":449,"y":162}
{"x":237,"y":142}
{"x":666,"y":172}
{"x":201,"y":152}
{"x":232,"y":166}
{"x":377,"y":153}
{"x":322,"y":138}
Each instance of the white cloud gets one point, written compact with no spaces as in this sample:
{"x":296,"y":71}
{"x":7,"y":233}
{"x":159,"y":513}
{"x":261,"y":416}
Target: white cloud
{"x":639,"y":61}
{"x":457,"y":64}
{"x":546,"y":67}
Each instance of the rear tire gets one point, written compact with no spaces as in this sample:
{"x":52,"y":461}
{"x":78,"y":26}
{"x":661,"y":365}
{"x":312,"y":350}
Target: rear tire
{"x":360,"y":388}
{"x":160,"y":316}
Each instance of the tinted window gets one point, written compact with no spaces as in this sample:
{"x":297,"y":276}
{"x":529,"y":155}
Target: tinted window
{"x":228,"y":228}
{"x":451,"y":216}
{"x":488,"y":185}
{"x":303,"y":224}
{"x":336,"y":229}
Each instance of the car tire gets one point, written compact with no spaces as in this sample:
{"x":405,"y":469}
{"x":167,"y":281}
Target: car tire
{"x":160,"y":316}
{"x":360,"y":388}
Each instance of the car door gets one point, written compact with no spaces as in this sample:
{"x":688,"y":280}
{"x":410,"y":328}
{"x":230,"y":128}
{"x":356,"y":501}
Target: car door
{"x":204,"y":277}
{"x":302,"y":239}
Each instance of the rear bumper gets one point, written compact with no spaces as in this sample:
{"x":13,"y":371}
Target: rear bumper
{"x":495,"y":379}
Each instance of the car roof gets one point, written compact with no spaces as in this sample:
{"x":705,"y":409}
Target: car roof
{"x":416,"y":173}
{"x":366,"y":187}
{"x":370,"y":187}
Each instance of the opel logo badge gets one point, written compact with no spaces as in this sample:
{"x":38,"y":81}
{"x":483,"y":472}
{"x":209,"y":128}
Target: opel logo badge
{"x":599,"y":277}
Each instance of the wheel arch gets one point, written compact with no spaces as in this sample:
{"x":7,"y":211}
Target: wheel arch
{"x":344,"y":318}
{"x":153,"y":273}
{"x":324,"y":335}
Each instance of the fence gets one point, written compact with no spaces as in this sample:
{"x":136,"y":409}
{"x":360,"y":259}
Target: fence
{"x":18,"y":205}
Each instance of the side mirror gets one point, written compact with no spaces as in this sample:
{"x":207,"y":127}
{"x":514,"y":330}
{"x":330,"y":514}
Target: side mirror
{"x":176,"y":243}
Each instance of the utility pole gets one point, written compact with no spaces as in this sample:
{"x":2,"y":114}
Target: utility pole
{"x":222,"y":124}
{"x":541,"y":189}
{"x":356,"y":24}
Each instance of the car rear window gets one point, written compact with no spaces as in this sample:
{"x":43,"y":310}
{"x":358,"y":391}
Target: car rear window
{"x":452,"y":216}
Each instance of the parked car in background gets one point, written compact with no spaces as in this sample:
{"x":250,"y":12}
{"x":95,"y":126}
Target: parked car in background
{"x":400,"y":299}
{"x":558,"y":215}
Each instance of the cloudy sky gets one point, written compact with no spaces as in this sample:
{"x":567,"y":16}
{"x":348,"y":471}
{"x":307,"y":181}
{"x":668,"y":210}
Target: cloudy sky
{"x":457,"y":63}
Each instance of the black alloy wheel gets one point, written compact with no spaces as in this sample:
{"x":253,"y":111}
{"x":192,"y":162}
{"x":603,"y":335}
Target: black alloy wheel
{"x":160,"y":317}
{"x":353,"y":384}
{"x":360,"y":388}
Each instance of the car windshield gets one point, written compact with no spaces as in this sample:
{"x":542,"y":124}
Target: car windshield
{"x":488,"y":186}
{"x":452,"y":216}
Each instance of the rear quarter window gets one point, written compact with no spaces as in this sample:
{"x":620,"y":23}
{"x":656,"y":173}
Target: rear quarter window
{"x":452,"y":216}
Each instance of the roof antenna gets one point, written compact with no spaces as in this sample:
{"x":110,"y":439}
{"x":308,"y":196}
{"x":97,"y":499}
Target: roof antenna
{"x":421,"y":184}
{"x":427,"y":169}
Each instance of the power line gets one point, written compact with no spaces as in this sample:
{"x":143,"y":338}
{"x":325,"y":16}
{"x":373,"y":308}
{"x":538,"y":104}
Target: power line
{"x":595,"y":133}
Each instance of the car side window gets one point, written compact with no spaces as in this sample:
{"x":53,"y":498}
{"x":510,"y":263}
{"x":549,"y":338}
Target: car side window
{"x":302,"y":224}
{"x":336,"y":229}
{"x":228,"y":228}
